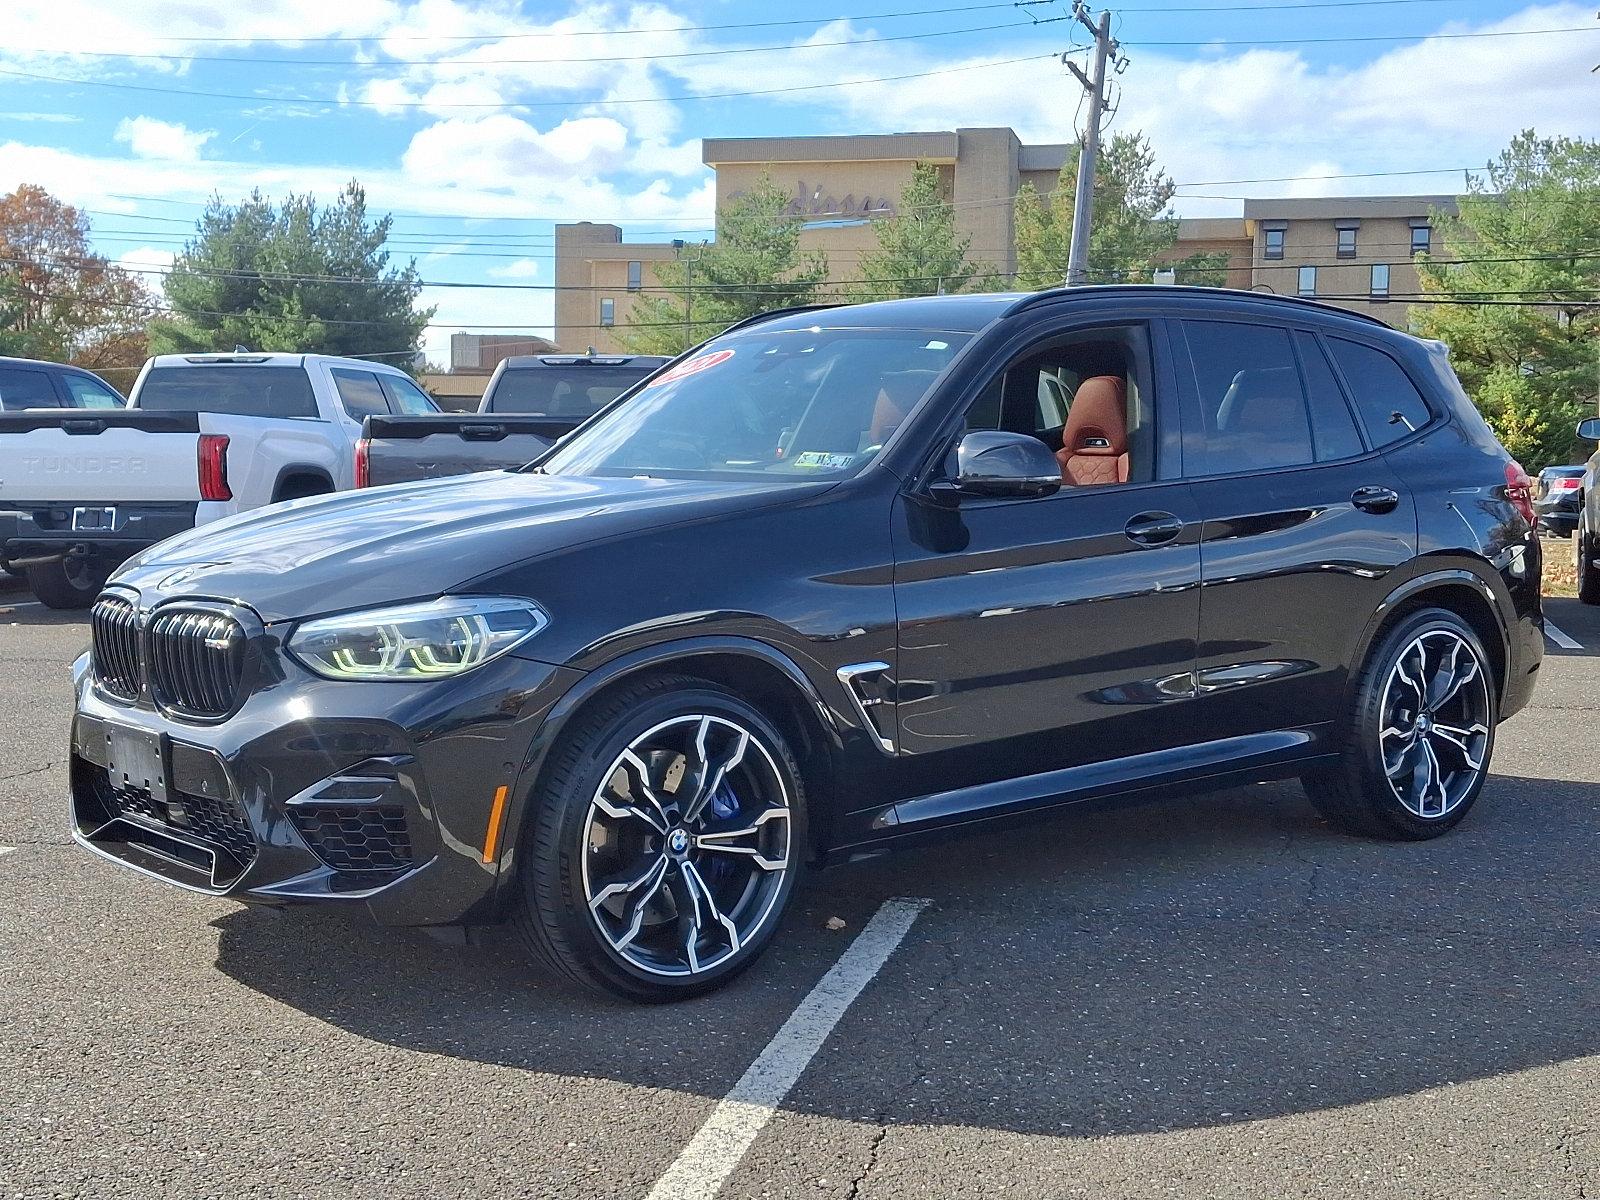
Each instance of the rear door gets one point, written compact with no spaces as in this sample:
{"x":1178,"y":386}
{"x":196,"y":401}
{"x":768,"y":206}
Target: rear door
{"x":1302,"y":523}
{"x":23,"y":388}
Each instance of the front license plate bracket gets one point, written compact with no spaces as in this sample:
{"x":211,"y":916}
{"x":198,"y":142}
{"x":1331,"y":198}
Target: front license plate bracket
{"x":136,"y":758}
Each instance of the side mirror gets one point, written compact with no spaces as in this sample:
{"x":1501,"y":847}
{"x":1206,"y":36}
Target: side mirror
{"x":1589,"y":429}
{"x":995,"y":462}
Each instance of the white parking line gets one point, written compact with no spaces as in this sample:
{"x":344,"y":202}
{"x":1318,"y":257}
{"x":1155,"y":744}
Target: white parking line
{"x":4,"y":607}
{"x":712,"y":1154}
{"x":7,"y":849}
{"x":1560,"y":638}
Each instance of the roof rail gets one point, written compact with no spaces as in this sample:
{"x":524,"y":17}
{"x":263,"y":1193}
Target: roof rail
{"x":1147,"y":289}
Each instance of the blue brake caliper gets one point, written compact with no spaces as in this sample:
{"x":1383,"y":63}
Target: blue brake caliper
{"x":724,"y":804}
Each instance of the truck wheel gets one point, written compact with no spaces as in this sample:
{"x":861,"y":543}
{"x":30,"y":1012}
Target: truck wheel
{"x":667,"y":836}
{"x":67,"y":583}
{"x":1583,"y":552}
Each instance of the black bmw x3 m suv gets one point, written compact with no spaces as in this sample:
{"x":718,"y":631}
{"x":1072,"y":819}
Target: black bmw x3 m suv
{"x":837,"y":579}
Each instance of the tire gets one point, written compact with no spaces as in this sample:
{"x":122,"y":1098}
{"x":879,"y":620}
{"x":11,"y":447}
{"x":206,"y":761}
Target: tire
{"x":1583,"y":552}
{"x":617,"y":891}
{"x":1401,"y":775}
{"x":58,"y":585}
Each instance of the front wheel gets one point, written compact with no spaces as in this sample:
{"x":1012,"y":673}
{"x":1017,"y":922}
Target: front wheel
{"x":1417,"y":748}
{"x":667,"y":836}
{"x":1583,"y":553}
{"x":66,"y":583}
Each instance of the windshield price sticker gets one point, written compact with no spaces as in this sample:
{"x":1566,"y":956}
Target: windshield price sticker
{"x":693,"y":367}
{"x":816,"y":460}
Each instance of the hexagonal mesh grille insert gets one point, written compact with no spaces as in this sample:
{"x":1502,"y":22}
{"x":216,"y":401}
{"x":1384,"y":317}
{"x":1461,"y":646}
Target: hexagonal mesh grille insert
{"x":349,"y":837}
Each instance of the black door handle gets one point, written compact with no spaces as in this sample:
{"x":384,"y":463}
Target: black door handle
{"x":1152,"y":528}
{"x":1375,"y":499}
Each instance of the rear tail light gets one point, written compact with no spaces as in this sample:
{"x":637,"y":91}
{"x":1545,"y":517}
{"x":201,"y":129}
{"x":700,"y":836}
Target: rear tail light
{"x":1519,"y":490}
{"x":363,"y":447}
{"x":1564,"y":484}
{"x":213,"y":461}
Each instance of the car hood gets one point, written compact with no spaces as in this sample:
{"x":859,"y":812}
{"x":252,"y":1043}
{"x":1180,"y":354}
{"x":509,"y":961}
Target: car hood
{"x":381,"y":545}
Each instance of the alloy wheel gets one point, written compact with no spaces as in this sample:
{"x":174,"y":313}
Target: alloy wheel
{"x":686,"y":845}
{"x":1436,"y":713}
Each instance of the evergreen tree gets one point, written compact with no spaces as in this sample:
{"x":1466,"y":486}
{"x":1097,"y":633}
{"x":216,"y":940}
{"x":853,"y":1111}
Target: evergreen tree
{"x":919,"y":251}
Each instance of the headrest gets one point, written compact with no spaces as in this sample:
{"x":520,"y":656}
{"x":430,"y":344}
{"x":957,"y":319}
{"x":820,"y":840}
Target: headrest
{"x":1097,"y":423}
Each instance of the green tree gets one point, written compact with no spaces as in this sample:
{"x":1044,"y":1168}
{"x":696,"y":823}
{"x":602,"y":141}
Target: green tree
{"x":754,"y":265}
{"x":1526,"y":230}
{"x":919,"y":251}
{"x":298,"y":276}
{"x":1133,"y":228}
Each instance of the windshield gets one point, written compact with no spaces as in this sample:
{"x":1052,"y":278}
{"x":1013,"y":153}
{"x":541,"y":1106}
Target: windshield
{"x":568,"y":391}
{"x":808,"y":403}
{"x":246,"y":391}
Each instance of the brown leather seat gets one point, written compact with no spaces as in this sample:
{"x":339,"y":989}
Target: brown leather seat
{"x":1094,"y":443}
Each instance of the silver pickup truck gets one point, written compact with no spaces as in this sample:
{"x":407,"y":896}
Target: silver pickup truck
{"x":531,"y":401}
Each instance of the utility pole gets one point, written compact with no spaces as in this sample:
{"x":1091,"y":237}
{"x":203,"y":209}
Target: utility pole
{"x":1089,"y":150}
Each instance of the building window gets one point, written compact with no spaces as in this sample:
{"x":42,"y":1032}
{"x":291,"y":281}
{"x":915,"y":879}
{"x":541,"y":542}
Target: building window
{"x":1308,"y":281}
{"x":1421,"y":239}
{"x":1380,"y":281}
{"x":1347,"y":243}
{"x":1273,"y":243}
{"x":635,"y":275}
{"x":608,"y":311}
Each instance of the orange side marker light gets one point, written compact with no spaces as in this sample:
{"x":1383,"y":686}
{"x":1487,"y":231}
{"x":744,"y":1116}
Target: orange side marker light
{"x":497,"y":814}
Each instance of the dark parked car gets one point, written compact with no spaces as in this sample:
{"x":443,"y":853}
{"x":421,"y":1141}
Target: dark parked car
{"x":531,"y":402}
{"x":1558,"y":492}
{"x":1586,"y":552}
{"x":27,"y":383}
{"x":839,"y":579}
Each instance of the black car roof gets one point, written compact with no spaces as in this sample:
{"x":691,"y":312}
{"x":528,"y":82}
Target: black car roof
{"x":45,"y":364}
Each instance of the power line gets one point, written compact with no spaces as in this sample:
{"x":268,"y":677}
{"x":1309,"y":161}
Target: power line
{"x":387,"y":64}
{"x":1390,"y":37}
{"x":587,"y":102}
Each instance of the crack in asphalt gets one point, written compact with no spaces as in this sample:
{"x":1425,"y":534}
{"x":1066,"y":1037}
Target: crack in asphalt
{"x":33,"y":770}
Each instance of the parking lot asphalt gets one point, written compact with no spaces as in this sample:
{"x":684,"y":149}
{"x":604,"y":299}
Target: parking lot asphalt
{"x":1207,"y":996}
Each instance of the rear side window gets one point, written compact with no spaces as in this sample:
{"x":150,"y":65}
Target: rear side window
{"x":360,"y":394}
{"x":90,"y":393}
{"x":1253,"y":411}
{"x":575,"y":392}
{"x":407,"y":397}
{"x":247,"y":391}
{"x":1389,"y":403}
{"x":21,"y":388}
{"x":1333,"y":429}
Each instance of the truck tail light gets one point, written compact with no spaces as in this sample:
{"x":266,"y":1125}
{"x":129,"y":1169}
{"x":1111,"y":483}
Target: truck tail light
{"x":1565,"y":484}
{"x":1519,"y":490}
{"x":213,"y":459}
{"x":363,"y":446}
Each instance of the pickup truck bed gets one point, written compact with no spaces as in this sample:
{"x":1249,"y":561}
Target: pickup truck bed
{"x":403,"y":449}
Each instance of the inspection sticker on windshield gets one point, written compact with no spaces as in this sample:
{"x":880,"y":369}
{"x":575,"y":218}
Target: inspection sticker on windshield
{"x":693,"y":367}
{"x":816,"y":460}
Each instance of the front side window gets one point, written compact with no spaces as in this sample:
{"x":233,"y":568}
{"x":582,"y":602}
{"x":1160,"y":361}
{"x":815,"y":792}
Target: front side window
{"x":1308,"y":281}
{"x":775,"y":403}
{"x":608,"y":311}
{"x":1272,"y":243}
{"x":1389,"y":403}
{"x":1347,"y":243}
{"x":360,"y":394}
{"x":1380,"y":281}
{"x":21,"y":388}
{"x":90,"y":393}
{"x":1252,"y":408}
{"x":407,"y":397}
{"x":249,"y":391}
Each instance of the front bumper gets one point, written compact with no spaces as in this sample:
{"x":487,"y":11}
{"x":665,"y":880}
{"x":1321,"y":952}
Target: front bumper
{"x":316,"y":791}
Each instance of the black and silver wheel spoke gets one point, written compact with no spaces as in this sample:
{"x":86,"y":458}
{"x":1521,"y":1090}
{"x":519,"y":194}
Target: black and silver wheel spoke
{"x":1436,"y":713}
{"x":687,"y":844}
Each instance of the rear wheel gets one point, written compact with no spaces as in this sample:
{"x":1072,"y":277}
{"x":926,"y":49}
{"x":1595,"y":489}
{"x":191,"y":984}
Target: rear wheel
{"x":66,"y":583}
{"x":665,"y":844}
{"x":1417,"y":749}
{"x":1583,"y":553}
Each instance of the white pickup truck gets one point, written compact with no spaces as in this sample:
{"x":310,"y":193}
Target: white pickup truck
{"x":204,"y":436}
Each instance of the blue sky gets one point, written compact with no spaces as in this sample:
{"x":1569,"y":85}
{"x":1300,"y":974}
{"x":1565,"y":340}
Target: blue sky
{"x":479,"y":121}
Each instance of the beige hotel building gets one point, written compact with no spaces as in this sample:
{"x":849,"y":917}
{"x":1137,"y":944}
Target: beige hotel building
{"x":1351,"y":251}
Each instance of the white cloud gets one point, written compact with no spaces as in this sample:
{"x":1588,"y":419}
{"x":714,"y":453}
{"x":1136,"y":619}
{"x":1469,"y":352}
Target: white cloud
{"x":60,"y":29}
{"x":150,"y":138}
{"x":43,"y":118}
{"x":503,"y":153}
{"x":149,"y":263}
{"x":521,"y":270}
{"x":484,"y":312}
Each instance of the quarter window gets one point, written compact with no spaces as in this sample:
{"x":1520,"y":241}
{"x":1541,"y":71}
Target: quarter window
{"x":1389,"y":403}
{"x":1272,"y":243}
{"x":1253,"y":413}
{"x":21,"y":388}
{"x":1308,"y":281}
{"x":360,"y":394}
{"x":608,"y":311}
{"x":1347,"y":243}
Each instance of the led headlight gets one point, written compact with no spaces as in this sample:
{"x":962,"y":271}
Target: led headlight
{"x":432,"y":640}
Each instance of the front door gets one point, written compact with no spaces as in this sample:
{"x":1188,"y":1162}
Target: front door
{"x":1052,"y":632}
